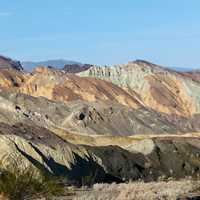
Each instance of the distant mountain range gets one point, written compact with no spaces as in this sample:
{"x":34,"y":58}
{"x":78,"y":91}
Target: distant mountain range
{"x":57,"y":63}
{"x":183,"y":69}
{"x":68,"y":65}
{"x":62,"y":63}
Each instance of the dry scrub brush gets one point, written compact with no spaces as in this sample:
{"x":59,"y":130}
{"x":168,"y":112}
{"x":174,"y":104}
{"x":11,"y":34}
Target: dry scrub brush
{"x":22,"y":181}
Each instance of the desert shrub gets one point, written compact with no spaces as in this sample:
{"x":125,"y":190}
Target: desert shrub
{"x":25,"y":182}
{"x":89,"y":180}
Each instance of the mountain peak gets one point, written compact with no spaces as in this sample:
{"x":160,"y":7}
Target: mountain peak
{"x":6,"y":62}
{"x":144,"y":63}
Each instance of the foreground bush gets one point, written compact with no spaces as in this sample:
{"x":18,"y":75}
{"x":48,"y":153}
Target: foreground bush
{"x":26,"y":183}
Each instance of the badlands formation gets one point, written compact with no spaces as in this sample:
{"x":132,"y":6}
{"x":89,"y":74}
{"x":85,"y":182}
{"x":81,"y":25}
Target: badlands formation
{"x":119,"y":123}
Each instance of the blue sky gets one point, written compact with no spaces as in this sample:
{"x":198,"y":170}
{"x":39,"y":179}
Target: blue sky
{"x":166,"y":32}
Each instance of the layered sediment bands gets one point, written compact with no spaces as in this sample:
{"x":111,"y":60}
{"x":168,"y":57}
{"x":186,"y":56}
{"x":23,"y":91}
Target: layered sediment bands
{"x":58,"y":85}
{"x":156,"y":87}
{"x":11,"y":73}
{"x":11,"y":78}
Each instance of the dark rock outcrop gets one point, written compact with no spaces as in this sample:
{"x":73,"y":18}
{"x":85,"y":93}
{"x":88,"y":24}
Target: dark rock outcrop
{"x":9,"y":63}
{"x":76,"y":68}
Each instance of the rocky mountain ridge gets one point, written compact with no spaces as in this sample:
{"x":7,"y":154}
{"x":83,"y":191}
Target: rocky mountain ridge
{"x":159,"y":88}
{"x":6,"y":63}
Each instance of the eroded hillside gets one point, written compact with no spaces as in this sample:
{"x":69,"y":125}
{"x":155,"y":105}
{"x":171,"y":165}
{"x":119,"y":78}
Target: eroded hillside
{"x":156,"y":87}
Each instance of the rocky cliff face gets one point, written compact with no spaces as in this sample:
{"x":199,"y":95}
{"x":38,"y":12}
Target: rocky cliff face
{"x":11,"y":73}
{"x":158,"y":88}
{"x":11,"y":78}
{"x":6,"y":63}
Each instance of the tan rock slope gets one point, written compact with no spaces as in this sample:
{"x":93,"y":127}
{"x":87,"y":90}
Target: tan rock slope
{"x":58,"y":85}
{"x":8,"y":63}
{"x":156,"y":87}
{"x":11,"y":73}
{"x":11,"y":78}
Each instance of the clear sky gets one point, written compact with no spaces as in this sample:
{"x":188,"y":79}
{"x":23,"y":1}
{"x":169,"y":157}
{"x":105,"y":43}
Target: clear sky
{"x":102,"y":31}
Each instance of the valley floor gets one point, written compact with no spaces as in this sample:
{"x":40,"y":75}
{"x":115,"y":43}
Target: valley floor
{"x":169,"y":190}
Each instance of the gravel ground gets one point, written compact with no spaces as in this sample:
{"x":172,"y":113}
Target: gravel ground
{"x":138,"y":191}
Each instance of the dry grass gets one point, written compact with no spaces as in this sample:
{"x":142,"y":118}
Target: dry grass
{"x":139,"y":191}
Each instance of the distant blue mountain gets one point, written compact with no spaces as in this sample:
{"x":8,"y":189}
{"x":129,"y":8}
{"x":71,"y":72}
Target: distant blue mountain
{"x":183,"y":69}
{"x":62,"y":63}
{"x":57,"y":63}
